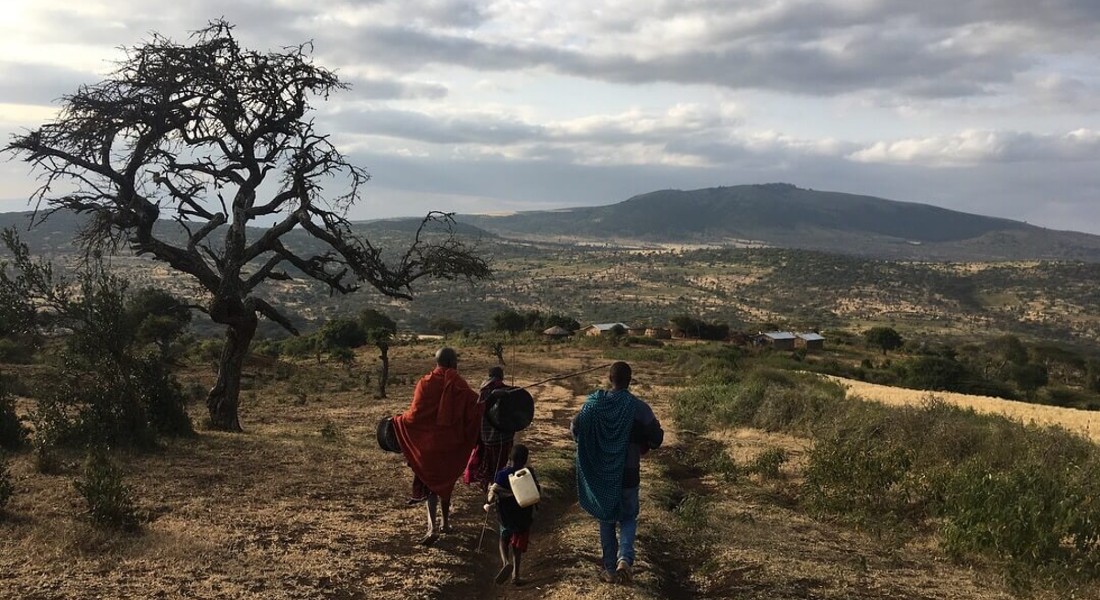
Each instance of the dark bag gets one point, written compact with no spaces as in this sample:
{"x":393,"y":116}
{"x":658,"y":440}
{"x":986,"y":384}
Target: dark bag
{"x":387,"y":436}
{"x":510,"y":409}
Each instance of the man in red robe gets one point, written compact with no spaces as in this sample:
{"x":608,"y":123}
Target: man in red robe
{"x":436,"y":435}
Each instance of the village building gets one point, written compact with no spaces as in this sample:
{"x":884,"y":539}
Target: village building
{"x":780,"y":340}
{"x":660,"y":333}
{"x":603,"y":328}
{"x":557,"y":332}
{"x":812,"y":342}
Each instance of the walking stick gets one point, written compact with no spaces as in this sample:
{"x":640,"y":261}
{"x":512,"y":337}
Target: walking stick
{"x":484,"y":526}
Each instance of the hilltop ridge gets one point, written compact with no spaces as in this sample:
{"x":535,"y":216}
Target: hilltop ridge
{"x":783,"y":215}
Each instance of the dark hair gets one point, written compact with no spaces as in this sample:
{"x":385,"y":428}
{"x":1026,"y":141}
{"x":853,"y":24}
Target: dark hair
{"x":446,"y":358}
{"x":620,"y":374}
{"x":518,"y":457}
{"x":496,"y":373}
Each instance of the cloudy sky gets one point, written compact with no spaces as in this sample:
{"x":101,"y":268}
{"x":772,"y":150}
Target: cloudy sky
{"x":987,"y":106}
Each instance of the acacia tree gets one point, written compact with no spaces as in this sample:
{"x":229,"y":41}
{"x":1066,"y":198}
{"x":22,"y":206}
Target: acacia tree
{"x":216,"y":137}
{"x":885,"y":338}
{"x":380,"y":331}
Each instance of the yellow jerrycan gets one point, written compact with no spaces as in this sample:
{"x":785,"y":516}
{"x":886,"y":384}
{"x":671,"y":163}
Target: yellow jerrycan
{"x":523,"y":487}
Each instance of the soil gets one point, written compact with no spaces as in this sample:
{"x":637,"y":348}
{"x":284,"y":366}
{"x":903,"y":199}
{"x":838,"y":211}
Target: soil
{"x":305,"y":505}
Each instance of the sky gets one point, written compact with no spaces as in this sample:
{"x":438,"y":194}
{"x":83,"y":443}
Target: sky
{"x":984,"y":106}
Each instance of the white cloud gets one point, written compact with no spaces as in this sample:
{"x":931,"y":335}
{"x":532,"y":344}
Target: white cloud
{"x":973,"y":147}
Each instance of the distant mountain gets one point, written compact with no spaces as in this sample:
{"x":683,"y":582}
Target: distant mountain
{"x":57,"y":234}
{"x":782,"y":215}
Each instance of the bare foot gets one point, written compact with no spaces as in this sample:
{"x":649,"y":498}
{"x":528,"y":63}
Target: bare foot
{"x":516,"y":581}
{"x":446,"y":528}
{"x":502,"y":576}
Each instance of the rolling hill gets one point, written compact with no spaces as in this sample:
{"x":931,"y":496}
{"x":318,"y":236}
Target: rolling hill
{"x":782,"y":215}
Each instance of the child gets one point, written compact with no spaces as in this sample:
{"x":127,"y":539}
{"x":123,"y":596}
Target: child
{"x":515,"y":522}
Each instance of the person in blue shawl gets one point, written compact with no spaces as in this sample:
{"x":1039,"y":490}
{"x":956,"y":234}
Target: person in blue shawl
{"x":613,"y":430}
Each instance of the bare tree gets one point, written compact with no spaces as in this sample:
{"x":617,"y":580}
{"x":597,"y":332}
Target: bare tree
{"x":216,"y":137}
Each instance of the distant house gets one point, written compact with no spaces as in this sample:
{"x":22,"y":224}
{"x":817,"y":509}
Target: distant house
{"x":780,"y":340}
{"x":603,"y":328}
{"x":813,"y":342}
{"x":557,"y":332}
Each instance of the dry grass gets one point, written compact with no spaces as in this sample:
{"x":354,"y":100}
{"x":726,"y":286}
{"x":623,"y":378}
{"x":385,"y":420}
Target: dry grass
{"x":1081,"y":421}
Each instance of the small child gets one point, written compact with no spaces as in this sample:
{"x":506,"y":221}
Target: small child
{"x":515,"y":522}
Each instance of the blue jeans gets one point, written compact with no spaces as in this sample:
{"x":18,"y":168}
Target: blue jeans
{"x":622,"y":547}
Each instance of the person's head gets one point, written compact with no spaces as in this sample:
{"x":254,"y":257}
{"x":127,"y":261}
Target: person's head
{"x":518,"y":457}
{"x":496,"y":373}
{"x":620,"y":375}
{"x":447,"y":358}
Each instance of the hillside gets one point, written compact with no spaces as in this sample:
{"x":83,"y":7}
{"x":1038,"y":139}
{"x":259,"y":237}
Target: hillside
{"x":316,"y":510}
{"x":786,"y":216}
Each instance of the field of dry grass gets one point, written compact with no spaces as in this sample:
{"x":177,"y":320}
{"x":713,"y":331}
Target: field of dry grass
{"x":1083,"y":422}
{"x":285,"y":511}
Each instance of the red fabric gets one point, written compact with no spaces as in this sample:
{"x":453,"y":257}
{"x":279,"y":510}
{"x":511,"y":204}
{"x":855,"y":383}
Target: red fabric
{"x":517,"y":539}
{"x":485,"y":461}
{"x":439,"y":429}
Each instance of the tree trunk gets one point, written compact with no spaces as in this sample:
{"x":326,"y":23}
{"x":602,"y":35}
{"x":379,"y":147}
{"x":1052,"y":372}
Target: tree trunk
{"x":383,"y":379}
{"x":224,"y":398}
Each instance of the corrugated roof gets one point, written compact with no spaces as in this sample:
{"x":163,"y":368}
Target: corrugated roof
{"x":811,"y":337}
{"x":608,"y":326}
{"x":557,"y":330}
{"x":779,"y":335}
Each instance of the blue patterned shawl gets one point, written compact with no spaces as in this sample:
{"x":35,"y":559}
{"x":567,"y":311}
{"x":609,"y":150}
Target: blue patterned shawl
{"x":602,"y":430}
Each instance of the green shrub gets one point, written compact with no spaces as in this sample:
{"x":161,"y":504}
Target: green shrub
{"x":1029,"y":517}
{"x":858,"y":475}
{"x":764,"y":398}
{"x":115,"y":401}
{"x":768,"y":463}
{"x":693,"y":511}
{"x":109,"y":502}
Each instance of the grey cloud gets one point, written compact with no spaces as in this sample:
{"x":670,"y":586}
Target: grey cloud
{"x":473,"y":129}
{"x":872,"y":60}
{"x":451,"y":13}
{"x":653,"y":128}
{"x":376,"y":88}
{"x":25,"y":83}
{"x":263,"y":23}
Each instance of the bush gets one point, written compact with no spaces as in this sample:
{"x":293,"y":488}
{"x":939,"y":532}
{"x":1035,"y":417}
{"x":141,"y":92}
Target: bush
{"x":1030,"y":518}
{"x":108,"y":500}
{"x":858,"y":475}
{"x":767,"y":464}
{"x":763,"y":398}
{"x":16,"y":352}
{"x":127,"y":402}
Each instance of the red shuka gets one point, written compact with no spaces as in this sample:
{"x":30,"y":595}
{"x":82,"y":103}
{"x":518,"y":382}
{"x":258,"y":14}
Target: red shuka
{"x":439,"y":429}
